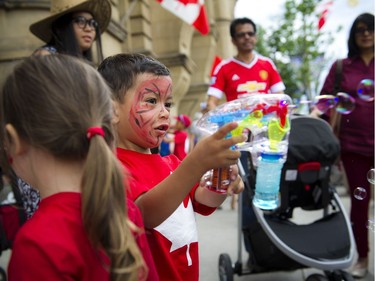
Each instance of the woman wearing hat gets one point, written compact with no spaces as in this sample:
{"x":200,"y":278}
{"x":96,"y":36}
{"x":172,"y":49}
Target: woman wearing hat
{"x":72,"y":28}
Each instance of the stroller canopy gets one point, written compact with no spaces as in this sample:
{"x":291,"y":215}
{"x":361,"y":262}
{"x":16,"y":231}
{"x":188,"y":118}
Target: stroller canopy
{"x":311,"y":140}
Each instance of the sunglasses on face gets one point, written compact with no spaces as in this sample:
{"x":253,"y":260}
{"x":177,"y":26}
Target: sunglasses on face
{"x":362,"y":30}
{"x":82,"y":22}
{"x":243,"y":34}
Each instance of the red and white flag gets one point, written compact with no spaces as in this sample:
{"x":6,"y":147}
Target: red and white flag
{"x":323,"y":9}
{"x":191,"y":11}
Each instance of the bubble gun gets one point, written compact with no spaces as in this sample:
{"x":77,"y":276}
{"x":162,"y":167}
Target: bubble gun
{"x":263,"y":118}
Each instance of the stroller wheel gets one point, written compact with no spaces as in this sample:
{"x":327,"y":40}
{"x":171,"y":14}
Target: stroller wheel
{"x":225,"y":268}
{"x":317,"y":277}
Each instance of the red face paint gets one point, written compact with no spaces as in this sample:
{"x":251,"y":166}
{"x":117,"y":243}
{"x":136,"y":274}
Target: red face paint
{"x":150,"y":109}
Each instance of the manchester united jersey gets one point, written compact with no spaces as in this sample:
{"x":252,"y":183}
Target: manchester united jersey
{"x":235,"y":78}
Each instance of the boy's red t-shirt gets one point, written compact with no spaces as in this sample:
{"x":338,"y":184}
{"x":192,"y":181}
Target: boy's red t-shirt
{"x":174,"y":243}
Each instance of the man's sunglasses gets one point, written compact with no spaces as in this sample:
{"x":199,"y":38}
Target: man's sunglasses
{"x":243,"y":34}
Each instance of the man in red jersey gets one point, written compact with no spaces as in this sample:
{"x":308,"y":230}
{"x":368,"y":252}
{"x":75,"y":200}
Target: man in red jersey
{"x":247,"y":72}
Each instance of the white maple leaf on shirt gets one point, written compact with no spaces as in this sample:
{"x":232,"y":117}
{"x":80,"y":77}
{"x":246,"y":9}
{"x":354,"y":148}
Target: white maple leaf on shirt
{"x":180,"y":228}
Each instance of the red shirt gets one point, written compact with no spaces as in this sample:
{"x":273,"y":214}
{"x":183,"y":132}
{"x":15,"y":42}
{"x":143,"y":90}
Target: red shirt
{"x":53,"y":244}
{"x":233,"y":77}
{"x":173,"y":243}
{"x":357,"y":128}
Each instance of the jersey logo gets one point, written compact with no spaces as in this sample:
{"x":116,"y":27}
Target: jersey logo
{"x":235,"y":77}
{"x":263,"y":74}
{"x":251,"y":86}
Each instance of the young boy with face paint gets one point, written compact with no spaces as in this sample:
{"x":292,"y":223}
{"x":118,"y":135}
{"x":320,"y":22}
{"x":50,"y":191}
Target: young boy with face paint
{"x":164,"y":188}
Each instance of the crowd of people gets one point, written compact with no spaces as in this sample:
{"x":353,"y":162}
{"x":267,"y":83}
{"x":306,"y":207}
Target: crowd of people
{"x":79,"y":143}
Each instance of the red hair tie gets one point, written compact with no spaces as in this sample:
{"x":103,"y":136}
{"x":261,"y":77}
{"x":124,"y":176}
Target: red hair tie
{"x":93,"y":131}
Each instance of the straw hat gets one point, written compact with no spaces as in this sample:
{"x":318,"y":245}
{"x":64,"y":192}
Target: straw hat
{"x":100,"y":9}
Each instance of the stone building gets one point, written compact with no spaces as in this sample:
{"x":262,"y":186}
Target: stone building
{"x":136,"y":26}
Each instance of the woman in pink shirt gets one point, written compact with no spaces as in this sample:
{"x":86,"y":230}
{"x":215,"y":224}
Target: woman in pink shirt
{"x":357,"y":128}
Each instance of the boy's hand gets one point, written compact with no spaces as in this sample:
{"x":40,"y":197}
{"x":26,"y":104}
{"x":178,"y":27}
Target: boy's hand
{"x":214,"y":199}
{"x":236,"y":185}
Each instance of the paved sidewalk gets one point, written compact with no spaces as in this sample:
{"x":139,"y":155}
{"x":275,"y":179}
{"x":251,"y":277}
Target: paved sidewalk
{"x":218,"y":234}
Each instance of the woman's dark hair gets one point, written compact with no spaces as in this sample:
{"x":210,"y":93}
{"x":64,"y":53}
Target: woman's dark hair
{"x":65,"y":42}
{"x":240,"y":21}
{"x":367,"y":19}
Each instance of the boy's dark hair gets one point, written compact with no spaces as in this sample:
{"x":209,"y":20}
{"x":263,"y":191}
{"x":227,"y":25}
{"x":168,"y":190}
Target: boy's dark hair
{"x":240,"y":21}
{"x":365,"y":18}
{"x":120,"y":71}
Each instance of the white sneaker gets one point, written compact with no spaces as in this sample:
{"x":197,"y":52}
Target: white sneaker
{"x":360,"y":268}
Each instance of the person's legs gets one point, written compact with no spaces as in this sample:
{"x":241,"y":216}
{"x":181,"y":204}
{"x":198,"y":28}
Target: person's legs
{"x":356,"y":169}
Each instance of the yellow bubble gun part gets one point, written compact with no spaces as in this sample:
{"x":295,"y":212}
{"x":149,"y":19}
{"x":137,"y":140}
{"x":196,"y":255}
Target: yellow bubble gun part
{"x":250,"y":121}
{"x":276,"y":132}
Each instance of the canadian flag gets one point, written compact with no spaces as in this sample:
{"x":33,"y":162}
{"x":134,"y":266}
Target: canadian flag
{"x":191,"y":11}
{"x":323,"y":9}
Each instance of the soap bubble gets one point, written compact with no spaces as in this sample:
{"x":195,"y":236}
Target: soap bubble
{"x":324,"y":102}
{"x":371,"y":176}
{"x":371,"y":225}
{"x":345,"y":103}
{"x":360,"y":193}
{"x":365,"y":90}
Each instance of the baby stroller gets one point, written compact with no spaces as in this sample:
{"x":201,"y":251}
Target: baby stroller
{"x":274,"y":239}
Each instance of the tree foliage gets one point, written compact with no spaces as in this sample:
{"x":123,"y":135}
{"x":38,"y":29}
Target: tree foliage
{"x":296,"y":46}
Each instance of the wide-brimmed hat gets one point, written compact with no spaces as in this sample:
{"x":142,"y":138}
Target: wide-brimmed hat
{"x":100,"y":10}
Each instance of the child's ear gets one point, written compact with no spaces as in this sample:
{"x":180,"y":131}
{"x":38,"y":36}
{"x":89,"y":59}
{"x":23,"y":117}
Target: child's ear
{"x":14,"y":142}
{"x":116,"y":114}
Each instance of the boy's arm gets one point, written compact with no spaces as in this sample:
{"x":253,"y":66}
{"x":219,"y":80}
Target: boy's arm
{"x":214,"y":151}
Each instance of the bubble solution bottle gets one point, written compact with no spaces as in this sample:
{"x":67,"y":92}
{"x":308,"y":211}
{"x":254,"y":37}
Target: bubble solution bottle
{"x":268,"y":180}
